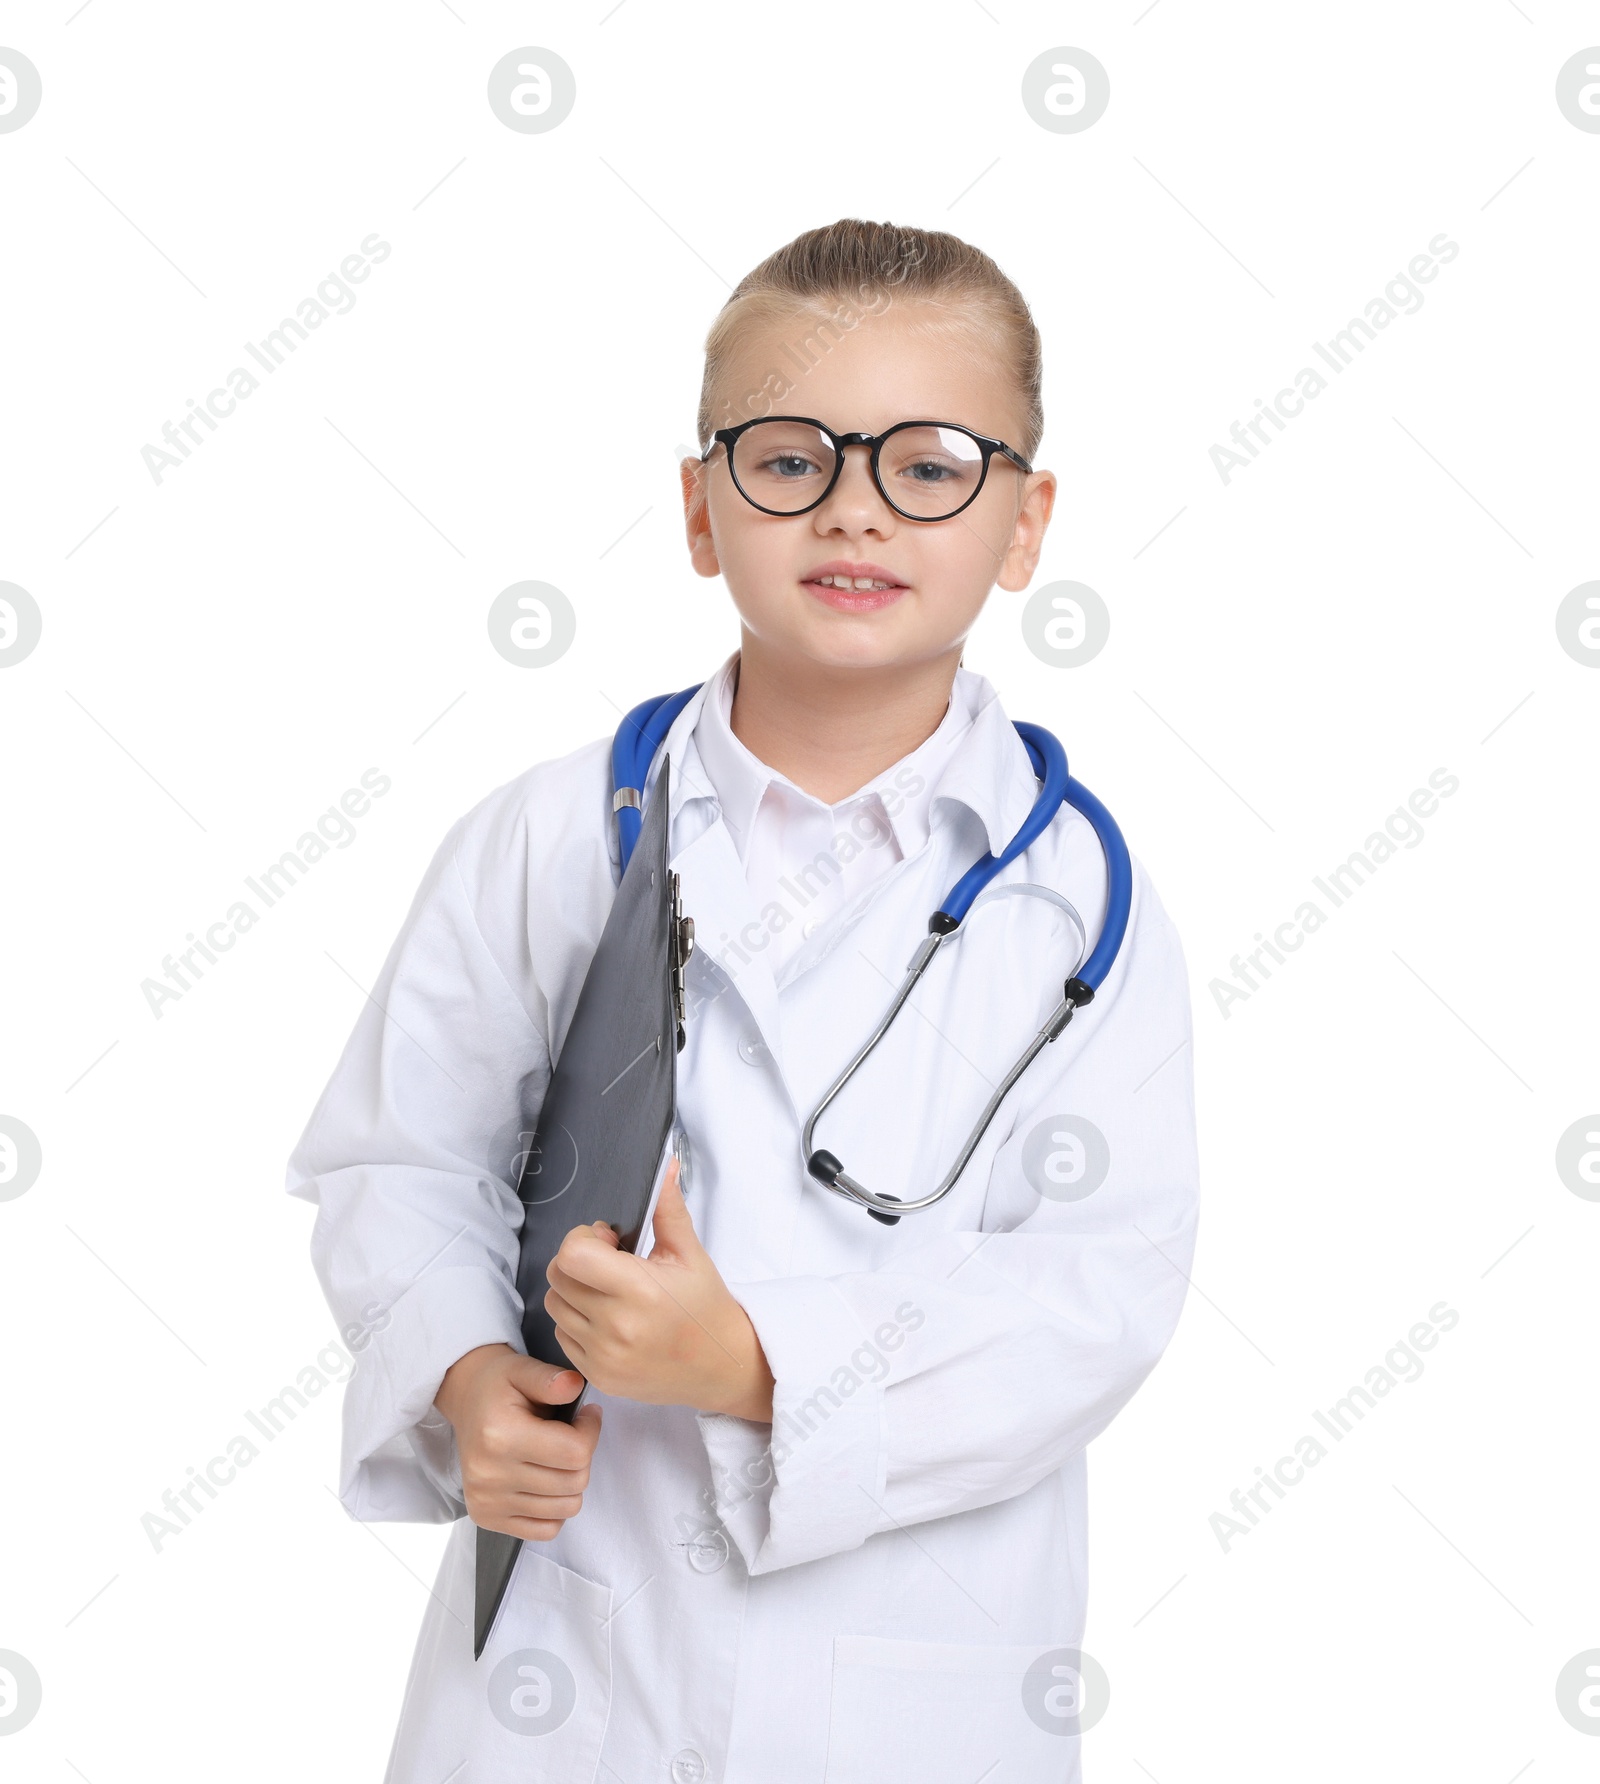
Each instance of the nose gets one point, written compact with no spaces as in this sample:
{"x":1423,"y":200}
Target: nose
{"x":854,"y":505}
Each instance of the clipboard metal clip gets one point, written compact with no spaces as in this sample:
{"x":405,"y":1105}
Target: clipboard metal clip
{"x":681,"y":939}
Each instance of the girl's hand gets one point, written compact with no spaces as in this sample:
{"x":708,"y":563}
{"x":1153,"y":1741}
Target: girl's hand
{"x":663,"y":1328}
{"x":522,"y":1471}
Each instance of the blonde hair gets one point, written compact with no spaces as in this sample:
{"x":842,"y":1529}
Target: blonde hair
{"x":860,"y":269}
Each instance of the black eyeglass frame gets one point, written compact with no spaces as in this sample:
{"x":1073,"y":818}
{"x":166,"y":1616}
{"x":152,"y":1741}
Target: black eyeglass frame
{"x":728,"y":437}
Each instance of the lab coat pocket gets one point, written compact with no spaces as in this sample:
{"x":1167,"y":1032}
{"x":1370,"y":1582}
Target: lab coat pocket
{"x":947,"y":1713}
{"x":544,"y":1681}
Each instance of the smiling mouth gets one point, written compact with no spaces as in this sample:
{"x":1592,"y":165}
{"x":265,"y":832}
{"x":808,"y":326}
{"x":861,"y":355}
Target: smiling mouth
{"x":860,"y":585}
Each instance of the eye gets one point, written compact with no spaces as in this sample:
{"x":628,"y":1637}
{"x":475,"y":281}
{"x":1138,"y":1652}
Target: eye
{"x":932,"y":464}
{"x":786,"y":464}
{"x":929,"y":471}
{"x":783,"y":451}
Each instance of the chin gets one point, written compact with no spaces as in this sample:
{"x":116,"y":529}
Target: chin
{"x":862,"y":643}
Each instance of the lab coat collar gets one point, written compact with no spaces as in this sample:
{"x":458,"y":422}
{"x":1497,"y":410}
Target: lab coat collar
{"x":980,"y":762}
{"x":990,"y":771}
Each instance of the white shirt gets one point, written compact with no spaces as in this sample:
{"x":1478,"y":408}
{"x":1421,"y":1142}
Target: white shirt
{"x":805,"y":860}
{"x":865,"y":1592}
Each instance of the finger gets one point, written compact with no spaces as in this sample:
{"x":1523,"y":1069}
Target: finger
{"x":596,"y":1260}
{"x":538,"y":1480}
{"x":607,"y":1234}
{"x":546,"y":1384}
{"x":566,"y":1316}
{"x":545,"y":1442}
{"x":490,"y":1502}
{"x":586,"y":1257}
{"x":527,"y":1529}
{"x":672,"y":1228}
{"x":575,"y":1291}
{"x":671,"y":1183}
{"x":544,"y":1505}
{"x":573,"y":1347}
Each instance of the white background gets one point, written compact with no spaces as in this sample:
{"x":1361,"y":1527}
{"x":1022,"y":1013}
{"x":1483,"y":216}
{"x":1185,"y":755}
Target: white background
{"x":225,"y":652}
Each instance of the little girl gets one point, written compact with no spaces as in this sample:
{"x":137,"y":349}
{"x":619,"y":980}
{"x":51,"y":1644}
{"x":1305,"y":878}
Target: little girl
{"x":822,"y":1517}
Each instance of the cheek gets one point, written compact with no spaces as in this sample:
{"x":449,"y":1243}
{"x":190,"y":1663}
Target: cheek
{"x":759,"y":553}
{"x":967,"y":554}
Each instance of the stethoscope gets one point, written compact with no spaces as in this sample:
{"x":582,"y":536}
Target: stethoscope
{"x":642,"y":733}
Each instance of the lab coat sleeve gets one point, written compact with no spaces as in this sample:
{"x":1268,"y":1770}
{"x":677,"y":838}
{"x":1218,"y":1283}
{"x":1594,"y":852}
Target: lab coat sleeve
{"x":978,"y":1362}
{"x":407,"y":1157}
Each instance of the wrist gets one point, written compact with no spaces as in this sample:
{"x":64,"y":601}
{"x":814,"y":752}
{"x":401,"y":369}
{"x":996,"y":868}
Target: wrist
{"x":748,"y":1391}
{"x":458,"y":1376}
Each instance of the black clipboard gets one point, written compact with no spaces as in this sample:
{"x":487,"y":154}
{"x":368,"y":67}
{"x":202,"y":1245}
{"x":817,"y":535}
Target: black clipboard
{"x":606,"y":1117}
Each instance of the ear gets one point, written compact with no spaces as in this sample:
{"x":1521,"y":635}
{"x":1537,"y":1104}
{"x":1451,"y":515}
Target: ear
{"x":692,"y":473}
{"x":1027,"y":535}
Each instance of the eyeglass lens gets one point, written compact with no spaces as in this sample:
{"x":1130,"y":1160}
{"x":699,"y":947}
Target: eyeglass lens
{"x":928,"y":472}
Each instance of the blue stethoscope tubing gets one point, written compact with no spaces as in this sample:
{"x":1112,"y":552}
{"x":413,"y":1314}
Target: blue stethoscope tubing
{"x":642,"y":733}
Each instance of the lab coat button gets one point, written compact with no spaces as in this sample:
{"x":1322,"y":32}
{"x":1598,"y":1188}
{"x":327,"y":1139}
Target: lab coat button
{"x":708,"y":1551}
{"x":688,"y":1767}
{"x":753,"y":1050}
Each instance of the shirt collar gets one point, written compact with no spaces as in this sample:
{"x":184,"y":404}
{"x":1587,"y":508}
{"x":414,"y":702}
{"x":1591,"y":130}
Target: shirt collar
{"x":991,"y":772}
{"x":739,"y":780}
{"x":975,"y":758}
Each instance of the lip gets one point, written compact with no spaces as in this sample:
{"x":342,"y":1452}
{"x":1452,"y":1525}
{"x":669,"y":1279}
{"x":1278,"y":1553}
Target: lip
{"x":866,"y":600}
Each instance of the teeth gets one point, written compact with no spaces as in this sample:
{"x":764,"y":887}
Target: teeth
{"x":851,"y":582}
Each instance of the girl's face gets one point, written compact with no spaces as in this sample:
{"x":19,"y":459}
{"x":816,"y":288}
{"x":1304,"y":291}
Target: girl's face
{"x":912,"y":362}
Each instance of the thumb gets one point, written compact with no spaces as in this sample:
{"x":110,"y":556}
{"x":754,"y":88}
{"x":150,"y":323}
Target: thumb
{"x":673,"y":1230}
{"x":544,"y":1383}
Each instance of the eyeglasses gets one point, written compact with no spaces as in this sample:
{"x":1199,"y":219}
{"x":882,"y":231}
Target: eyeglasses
{"x":789,"y":464}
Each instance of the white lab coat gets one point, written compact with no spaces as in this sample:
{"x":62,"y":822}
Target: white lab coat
{"x":860,"y":1602}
